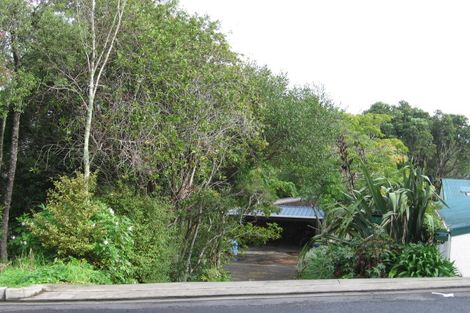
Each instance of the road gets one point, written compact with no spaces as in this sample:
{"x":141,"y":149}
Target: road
{"x":417,"y":302}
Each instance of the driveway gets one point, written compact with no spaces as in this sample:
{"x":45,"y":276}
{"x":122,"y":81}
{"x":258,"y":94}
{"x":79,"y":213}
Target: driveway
{"x":264,"y":263}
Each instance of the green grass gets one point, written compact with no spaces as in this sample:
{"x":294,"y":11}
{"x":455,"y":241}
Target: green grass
{"x":29,"y":271}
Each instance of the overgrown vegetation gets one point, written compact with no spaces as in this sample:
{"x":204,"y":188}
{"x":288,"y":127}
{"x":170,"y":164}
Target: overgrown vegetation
{"x":127,"y":144}
{"x":383,"y":229}
{"x":376,"y":259}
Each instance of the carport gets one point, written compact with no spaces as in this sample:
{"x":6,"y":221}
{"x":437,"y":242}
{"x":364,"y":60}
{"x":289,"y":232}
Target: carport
{"x":299,"y":219}
{"x":277,"y":260}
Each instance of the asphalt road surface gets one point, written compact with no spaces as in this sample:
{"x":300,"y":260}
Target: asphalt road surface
{"x":423,"y":301}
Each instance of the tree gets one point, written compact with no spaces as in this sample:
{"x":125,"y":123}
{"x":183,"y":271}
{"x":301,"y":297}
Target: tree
{"x":95,"y":25}
{"x":440,"y":142}
{"x":410,"y":125}
{"x":451,"y":136}
{"x":97,"y":61}
{"x":16,"y":40}
{"x":361,"y":141}
{"x":299,"y":126}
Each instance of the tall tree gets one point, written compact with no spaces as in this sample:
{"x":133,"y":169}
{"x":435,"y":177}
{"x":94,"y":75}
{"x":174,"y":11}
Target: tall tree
{"x":98,"y":49}
{"x":440,"y":142}
{"x":362,"y":141}
{"x":451,"y":136}
{"x":15,"y":25}
{"x":95,"y":24}
{"x":412,"y":126}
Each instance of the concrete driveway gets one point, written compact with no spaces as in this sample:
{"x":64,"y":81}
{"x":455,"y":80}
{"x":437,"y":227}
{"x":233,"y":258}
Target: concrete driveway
{"x":264,"y":263}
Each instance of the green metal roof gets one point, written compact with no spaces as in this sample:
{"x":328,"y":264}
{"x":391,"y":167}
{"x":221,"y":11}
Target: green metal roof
{"x":456,"y":194}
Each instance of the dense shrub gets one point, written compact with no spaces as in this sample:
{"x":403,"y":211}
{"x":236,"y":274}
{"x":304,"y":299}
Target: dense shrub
{"x":374,"y":256}
{"x":66,"y":223}
{"x":75,"y":225}
{"x":215,"y":274}
{"x":155,"y":242}
{"x":328,"y":261}
{"x":364,"y":258}
{"x":28,"y":271}
{"x":316,"y":263}
{"x":420,"y":260}
{"x":377,"y":256}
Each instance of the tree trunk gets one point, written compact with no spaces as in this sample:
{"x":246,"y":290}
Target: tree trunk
{"x":86,"y":139}
{"x":96,"y":64}
{"x":10,"y":184}
{"x":91,"y":96}
{"x":2,"y":139}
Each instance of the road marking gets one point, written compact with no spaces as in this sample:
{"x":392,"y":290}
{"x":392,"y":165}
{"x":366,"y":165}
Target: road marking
{"x":445,"y":295}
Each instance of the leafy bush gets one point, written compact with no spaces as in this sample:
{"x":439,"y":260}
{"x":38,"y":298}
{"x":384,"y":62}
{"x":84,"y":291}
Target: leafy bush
{"x":375,"y":255}
{"x":155,"y":242}
{"x":316,"y":264}
{"x":66,"y":223}
{"x":328,"y":261}
{"x":29,"y":271}
{"x":366,"y":258}
{"x":74,"y":225}
{"x":419,"y":260}
{"x":114,"y":251}
{"x":214,"y":274}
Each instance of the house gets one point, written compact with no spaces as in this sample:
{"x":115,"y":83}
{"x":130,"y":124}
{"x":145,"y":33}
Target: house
{"x":456,"y":217}
{"x":298,"y":218}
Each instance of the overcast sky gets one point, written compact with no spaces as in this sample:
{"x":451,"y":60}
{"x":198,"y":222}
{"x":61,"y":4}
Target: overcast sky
{"x":361,"y":51}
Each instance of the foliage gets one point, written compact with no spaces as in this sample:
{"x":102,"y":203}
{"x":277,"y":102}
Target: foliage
{"x":327,"y":261}
{"x":248,"y":234}
{"x":371,"y":257}
{"x":405,"y":222}
{"x":155,"y":240}
{"x":451,"y":135}
{"x":66,"y":222}
{"x":30,"y":270}
{"x":420,"y":260}
{"x":18,"y":89}
{"x":316,"y":263}
{"x":401,"y":207}
{"x":183,"y":132}
{"x":73,"y":224}
{"x":378,"y":218}
{"x":214,"y":274}
{"x":412,"y":126}
{"x":439,"y":141}
{"x":300,"y":127}
{"x":375,"y":255}
{"x":362,"y":143}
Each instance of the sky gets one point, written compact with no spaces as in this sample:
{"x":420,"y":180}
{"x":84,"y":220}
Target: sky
{"x":360,"y":51}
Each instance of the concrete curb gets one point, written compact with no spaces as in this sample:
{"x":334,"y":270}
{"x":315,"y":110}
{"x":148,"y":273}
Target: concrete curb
{"x":2,"y":293}
{"x":174,"y":291}
{"x":15,"y":294}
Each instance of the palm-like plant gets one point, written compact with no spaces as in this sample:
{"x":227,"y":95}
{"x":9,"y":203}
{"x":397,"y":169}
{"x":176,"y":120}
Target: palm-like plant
{"x":400,"y":208}
{"x":406,"y":221}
